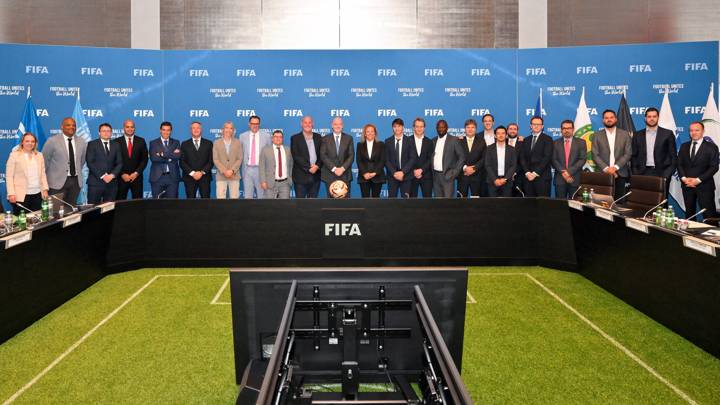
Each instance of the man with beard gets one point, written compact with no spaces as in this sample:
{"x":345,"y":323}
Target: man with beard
{"x":612,"y":150}
{"x":653,"y":149}
{"x":448,"y":159}
{"x":514,"y":139}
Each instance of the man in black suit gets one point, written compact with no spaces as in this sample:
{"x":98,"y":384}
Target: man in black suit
{"x":196,"y":163}
{"x":399,"y":160}
{"x":569,"y":157}
{"x":305,"y":150}
{"x":697,"y":164}
{"x":337,"y":154}
{"x":514,"y":139}
{"x":448,"y":159}
{"x":104,"y":164}
{"x":536,"y":159}
{"x":469,"y":181}
{"x":662,"y":160}
{"x":422,"y":171}
{"x":500,"y":164}
{"x":134,"y":160}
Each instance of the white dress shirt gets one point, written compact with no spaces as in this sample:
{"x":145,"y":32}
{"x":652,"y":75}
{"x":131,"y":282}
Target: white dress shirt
{"x":501,"y":159}
{"x":369,"y":145}
{"x":439,"y":149}
{"x":489,"y":137}
{"x":611,"y":142}
{"x":650,"y":137}
{"x":418,"y":143}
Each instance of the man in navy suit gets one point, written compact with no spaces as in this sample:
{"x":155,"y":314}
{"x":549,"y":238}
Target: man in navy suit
{"x":104,"y":163}
{"x":196,"y":163}
{"x":653,"y":149}
{"x":422,"y":172}
{"x":399,"y":160}
{"x":697,"y":164}
{"x":165,"y":170}
{"x":536,"y":159}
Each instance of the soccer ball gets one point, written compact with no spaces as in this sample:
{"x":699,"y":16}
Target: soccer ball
{"x":338,"y":189}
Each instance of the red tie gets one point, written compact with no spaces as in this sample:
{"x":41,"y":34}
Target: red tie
{"x":129,"y":142}
{"x":567,"y":153}
{"x":279,"y":164}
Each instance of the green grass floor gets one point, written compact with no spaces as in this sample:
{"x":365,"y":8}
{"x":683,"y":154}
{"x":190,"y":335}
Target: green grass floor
{"x":171,"y":345}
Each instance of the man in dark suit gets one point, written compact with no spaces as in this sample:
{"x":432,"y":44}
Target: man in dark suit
{"x":104,"y":164}
{"x":500,"y":164}
{"x":134,"y":160}
{"x":662,"y":159}
{"x":165,"y":169}
{"x":697,"y":164}
{"x":196,"y":163}
{"x":422,"y":171}
{"x":514,"y":139}
{"x":448,"y":159}
{"x":569,"y":157}
{"x":612,"y":150}
{"x":536,"y":160}
{"x":305,"y":149}
{"x":399,"y":161}
{"x":337,"y":154}
{"x":469,"y":181}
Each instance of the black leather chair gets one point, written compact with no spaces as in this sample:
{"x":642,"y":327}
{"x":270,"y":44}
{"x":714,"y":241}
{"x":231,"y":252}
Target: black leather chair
{"x":601,"y":183}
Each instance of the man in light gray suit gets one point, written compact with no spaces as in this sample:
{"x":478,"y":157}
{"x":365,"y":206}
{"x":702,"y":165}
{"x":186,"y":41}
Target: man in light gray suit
{"x":253,"y":141}
{"x":64,"y":160}
{"x":227,"y":156}
{"x":337,"y":154}
{"x":612,"y":150}
{"x":569,"y":157}
{"x":276,"y":165}
{"x":447,"y":161}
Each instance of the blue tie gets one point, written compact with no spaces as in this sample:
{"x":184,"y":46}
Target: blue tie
{"x":337,"y":145}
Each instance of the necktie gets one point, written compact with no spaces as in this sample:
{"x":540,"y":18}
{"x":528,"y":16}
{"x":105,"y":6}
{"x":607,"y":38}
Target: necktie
{"x":71,"y":157}
{"x":693,"y":150}
{"x":397,"y":150}
{"x":129,"y":143}
{"x":107,"y":151}
{"x":337,"y":145}
{"x":469,"y":143}
{"x":280,"y":173}
{"x":532,"y":144}
{"x":252,"y":150}
{"x":197,"y":145}
{"x":165,"y":143}
{"x":567,"y":153}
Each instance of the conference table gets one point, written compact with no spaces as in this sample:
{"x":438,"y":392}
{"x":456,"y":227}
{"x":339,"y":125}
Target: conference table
{"x":671,"y":276}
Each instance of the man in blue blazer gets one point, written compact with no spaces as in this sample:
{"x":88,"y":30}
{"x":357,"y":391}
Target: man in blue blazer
{"x":399,"y":161}
{"x":165,"y":169}
{"x":104,"y":163}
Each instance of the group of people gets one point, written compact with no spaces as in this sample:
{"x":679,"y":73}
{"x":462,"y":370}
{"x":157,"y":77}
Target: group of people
{"x":498,"y":163}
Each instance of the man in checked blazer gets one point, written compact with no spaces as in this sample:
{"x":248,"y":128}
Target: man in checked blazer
{"x":569,"y":157}
{"x":276,"y":165}
{"x":64,"y":174}
{"x":612,"y":151}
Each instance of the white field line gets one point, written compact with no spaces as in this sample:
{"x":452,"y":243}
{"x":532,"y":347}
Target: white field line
{"x":219,"y":293}
{"x":470,"y":299}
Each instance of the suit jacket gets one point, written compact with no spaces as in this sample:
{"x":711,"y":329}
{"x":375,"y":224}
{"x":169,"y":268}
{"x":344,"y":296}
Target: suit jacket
{"x":165,"y":159}
{"x":267,"y":164}
{"x":139,"y":159}
{"x":331,"y":158}
{"x":539,"y":158}
{"x":703,"y":166}
{"x":16,"y":174}
{"x":491,"y":162}
{"x":623,"y":150}
{"x":99,"y":162}
{"x":423,"y":160}
{"x":453,"y":157}
{"x":475,"y":156}
{"x":301,"y":158}
{"x":578,"y":157}
{"x":265,"y":139}
{"x":371,"y":164}
{"x":196,"y":160}
{"x":664,"y":153}
{"x":224,"y":161}
{"x":56,"y":160}
{"x":407,"y":156}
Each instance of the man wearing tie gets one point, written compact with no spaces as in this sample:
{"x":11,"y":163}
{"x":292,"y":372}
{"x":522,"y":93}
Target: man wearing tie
{"x":653,"y":149}
{"x":276,"y":164}
{"x":227,"y":156}
{"x":64,"y":159}
{"x":536,"y":159}
{"x":612,"y":150}
{"x":252,"y":142}
{"x":697,"y":164}
{"x":305,"y":148}
{"x":422,"y":172}
{"x":165,"y":169}
{"x":337,"y":154}
{"x":500,"y":163}
{"x":399,"y":161}
{"x":134,"y":158}
{"x":448,"y":159}
{"x":196,"y":163}
{"x":104,"y":164}
{"x":569,"y":157}
{"x":470,"y":178}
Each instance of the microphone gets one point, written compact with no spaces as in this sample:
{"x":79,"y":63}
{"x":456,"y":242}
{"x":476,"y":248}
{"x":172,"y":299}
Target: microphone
{"x":457,"y":192}
{"x":65,"y":202}
{"x":687,"y":219}
{"x":521,"y":192}
{"x":30,"y":212}
{"x":651,"y":209}
{"x":575,"y":193}
{"x":160,"y":195}
{"x":615,"y":202}
{"x":406,"y":195}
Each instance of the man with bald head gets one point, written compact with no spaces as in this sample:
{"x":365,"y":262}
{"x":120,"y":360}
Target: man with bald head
{"x":134,"y":154}
{"x":64,"y":160}
{"x":337,"y":154}
{"x":305,"y":150}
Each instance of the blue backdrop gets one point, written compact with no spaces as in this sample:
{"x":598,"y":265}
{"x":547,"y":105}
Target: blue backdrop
{"x":362,"y":86}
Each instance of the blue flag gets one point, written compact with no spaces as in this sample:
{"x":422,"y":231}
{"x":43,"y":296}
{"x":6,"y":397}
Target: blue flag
{"x":82,"y":131}
{"x":29,"y":122}
{"x":539,"y":106}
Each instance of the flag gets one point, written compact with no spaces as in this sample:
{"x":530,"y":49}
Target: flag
{"x":625,"y":120}
{"x":82,"y":131}
{"x":667,"y":120}
{"x":711,"y":120}
{"x":539,"y":106}
{"x":583,"y":129}
{"x":29,"y":122}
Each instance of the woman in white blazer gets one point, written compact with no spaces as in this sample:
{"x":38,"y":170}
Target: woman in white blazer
{"x":25,"y":175}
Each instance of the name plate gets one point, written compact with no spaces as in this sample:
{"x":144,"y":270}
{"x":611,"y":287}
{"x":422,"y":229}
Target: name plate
{"x":71,"y":220}
{"x":18,"y":239}
{"x":700,"y":245}
{"x":605,"y":214}
{"x":575,"y":205}
{"x":636,"y":225}
{"x":107,"y":207}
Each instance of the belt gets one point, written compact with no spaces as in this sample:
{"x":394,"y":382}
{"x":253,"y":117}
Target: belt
{"x":280,"y":181}
{"x":437,"y":171}
{"x":649,"y":167}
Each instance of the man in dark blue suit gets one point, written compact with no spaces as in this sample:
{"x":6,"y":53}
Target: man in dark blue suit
{"x":400,"y":160}
{"x":422,"y":171}
{"x":165,"y":170}
{"x":104,"y":162}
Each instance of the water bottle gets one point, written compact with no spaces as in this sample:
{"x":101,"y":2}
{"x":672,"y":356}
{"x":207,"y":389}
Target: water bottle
{"x":592,"y":195}
{"x":44,"y":210}
{"x":585,"y":195}
{"x":22,"y":221}
{"x":8,"y":221}
{"x":50,"y":208}
{"x":61,"y":211}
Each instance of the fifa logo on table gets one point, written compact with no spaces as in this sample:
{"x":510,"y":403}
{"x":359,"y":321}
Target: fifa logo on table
{"x":434,"y":112}
{"x":386,"y":112}
{"x":535,"y":71}
{"x":292,"y":113}
{"x":93,"y":113}
{"x":143,"y":113}
{"x":586,"y":70}
{"x":245,"y":72}
{"x":198,"y":73}
{"x":91,"y":71}
{"x":479,"y":72}
{"x":342,"y":230}
{"x":292,"y":72}
{"x":696,"y":66}
{"x":479,"y":112}
{"x":694,"y":109}
{"x":339,"y":113}
{"x":143,"y":73}
{"x":339,"y":72}
{"x":434,"y":72}
{"x":386,"y":72}
{"x":36,"y":69}
{"x":640,"y":68}
{"x":244,"y":113}
{"x":199,"y":113}
{"x":41,"y":112}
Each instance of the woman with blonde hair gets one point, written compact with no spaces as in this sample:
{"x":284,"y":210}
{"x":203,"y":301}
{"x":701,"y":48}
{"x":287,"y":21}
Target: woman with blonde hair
{"x":370,"y":158}
{"x":25,"y":175}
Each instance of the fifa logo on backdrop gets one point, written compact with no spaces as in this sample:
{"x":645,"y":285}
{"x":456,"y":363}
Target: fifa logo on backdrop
{"x":143,"y":73}
{"x":41,"y":112}
{"x":434,"y":112}
{"x":386,"y":112}
{"x":292,"y":72}
{"x":479,"y":72}
{"x":479,"y":112}
{"x":199,"y":113}
{"x":696,"y":66}
{"x":640,"y":68}
{"x":340,"y":72}
{"x":339,"y":113}
{"x":245,"y":73}
{"x":434,"y":72}
{"x":292,"y":113}
{"x":586,"y":70}
{"x":36,"y":69}
{"x":638,"y":110}
{"x":535,"y":71}
{"x":91,"y":71}
{"x":244,"y":113}
{"x":694,"y":109}
{"x":386,"y":72}
{"x":143,"y":113}
{"x":93,"y":113}
{"x":198,"y":73}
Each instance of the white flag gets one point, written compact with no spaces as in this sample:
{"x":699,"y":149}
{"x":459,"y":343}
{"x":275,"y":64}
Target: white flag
{"x":667,"y":120}
{"x":583,"y":129}
{"x":711,"y":120}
